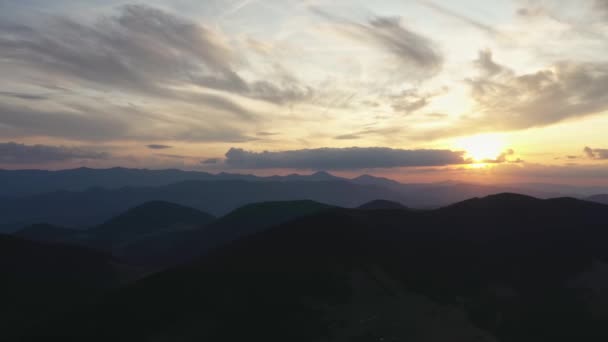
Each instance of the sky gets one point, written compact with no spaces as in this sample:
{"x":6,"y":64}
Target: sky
{"x":416,"y":90}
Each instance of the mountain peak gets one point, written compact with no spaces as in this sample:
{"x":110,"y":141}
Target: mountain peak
{"x":509,"y":196}
{"x":153,"y":214}
{"x":502,"y":201}
{"x":323,"y":175}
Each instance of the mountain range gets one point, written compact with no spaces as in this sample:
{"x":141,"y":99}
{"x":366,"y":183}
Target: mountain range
{"x":83,"y":198}
{"x":158,"y":234}
{"x":505,"y":267}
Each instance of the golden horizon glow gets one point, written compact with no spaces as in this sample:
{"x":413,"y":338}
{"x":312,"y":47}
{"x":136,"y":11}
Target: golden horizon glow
{"x":483,"y":147}
{"x":178,"y":84}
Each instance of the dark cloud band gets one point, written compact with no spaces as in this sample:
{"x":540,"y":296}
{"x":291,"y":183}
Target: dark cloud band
{"x":14,"y":153}
{"x":342,"y":158}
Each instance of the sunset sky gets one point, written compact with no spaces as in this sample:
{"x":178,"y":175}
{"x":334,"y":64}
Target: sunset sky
{"x":488,"y":91}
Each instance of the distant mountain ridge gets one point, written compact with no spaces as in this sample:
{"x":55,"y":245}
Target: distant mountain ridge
{"x":31,"y":182}
{"x":215,"y":194}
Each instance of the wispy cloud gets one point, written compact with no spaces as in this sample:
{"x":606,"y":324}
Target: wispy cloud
{"x":15,"y":153}
{"x":463,"y":18}
{"x":411,"y":49}
{"x":506,"y":101}
{"x":146,"y":51}
{"x":158,"y":147}
{"x":596,"y":153}
{"x":23,"y":96}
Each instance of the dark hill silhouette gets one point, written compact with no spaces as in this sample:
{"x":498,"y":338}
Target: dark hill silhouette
{"x":43,"y":232}
{"x":382,"y":205}
{"x":504,"y":206}
{"x":173,"y":249}
{"x":261,"y":215}
{"x":153,"y":217}
{"x":599,"y":199}
{"x":139,"y":234}
{"x":144,"y":231}
{"x":241,"y":222}
{"x":158,"y":234}
{"x":458,"y":273}
{"x":42,"y":281}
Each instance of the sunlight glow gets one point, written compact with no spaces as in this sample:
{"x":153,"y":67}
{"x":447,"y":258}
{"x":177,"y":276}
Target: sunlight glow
{"x":482,"y":147}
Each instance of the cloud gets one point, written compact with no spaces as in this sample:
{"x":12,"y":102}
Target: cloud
{"x":211,"y":161}
{"x":596,"y":153}
{"x":135,"y":49}
{"x":405,"y":44}
{"x":531,"y":11}
{"x":174,"y":156}
{"x":411,"y":49}
{"x":23,"y":96}
{"x":349,"y":136}
{"x":475,"y":23}
{"x":412,"y":100}
{"x":106,"y":123}
{"x":19,"y":121}
{"x":409,"y":101}
{"x":266,"y":134}
{"x":485,"y":63}
{"x":602,"y":7}
{"x":158,"y":147}
{"x":369,"y":131}
{"x":505,"y":101}
{"x":14,"y":153}
{"x":437,"y":115}
{"x":342,"y":158}
{"x":504,"y":158}
{"x":288,"y":92}
{"x":566,"y":90}
{"x":142,"y":50}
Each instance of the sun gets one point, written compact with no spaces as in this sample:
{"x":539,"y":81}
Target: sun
{"x":482,"y":147}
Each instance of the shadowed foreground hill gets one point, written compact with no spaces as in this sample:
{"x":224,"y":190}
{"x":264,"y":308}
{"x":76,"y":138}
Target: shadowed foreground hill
{"x":42,"y":281}
{"x":43,"y":232}
{"x":382,"y":205}
{"x":256,"y":217}
{"x":240,"y":223}
{"x":507,"y":268}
